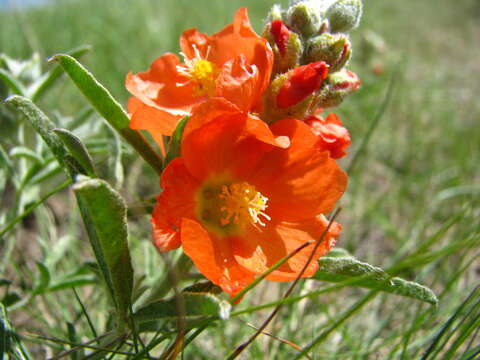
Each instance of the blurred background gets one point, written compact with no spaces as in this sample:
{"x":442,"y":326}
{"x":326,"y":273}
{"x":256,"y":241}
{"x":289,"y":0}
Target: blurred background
{"x":420,"y":148}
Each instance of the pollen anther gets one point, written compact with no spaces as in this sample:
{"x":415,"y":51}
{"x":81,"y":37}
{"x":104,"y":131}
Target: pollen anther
{"x":242,"y":204}
{"x":201,"y":72}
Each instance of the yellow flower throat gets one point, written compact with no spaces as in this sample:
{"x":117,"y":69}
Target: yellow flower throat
{"x":232,"y":207}
{"x":201,"y":72}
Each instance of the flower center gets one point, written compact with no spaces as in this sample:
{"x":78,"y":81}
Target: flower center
{"x":242,"y":204}
{"x":201,"y":72}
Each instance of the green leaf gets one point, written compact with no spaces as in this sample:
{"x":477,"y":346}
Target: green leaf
{"x":23,"y":152}
{"x":48,"y":79}
{"x":73,"y":338}
{"x":43,"y":279}
{"x":341,"y":269}
{"x":9,"y":341}
{"x":71,"y":282}
{"x":196,"y":305}
{"x":4,"y":332}
{"x":5,"y":282}
{"x":104,"y":214}
{"x":5,"y":162}
{"x":41,"y":123}
{"x":14,"y":85}
{"x":11,"y":298}
{"x":45,"y":128}
{"x":77,"y":149}
{"x":175,"y":141}
{"x":108,"y":107}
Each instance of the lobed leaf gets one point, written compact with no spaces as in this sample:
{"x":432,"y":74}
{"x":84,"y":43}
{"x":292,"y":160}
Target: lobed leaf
{"x":341,"y":269}
{"x":104,"y":214}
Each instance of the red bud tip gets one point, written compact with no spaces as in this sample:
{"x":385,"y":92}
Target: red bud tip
{"x":353,"y":82}
{"x":302,"y":82}
{"x":281,"y":34}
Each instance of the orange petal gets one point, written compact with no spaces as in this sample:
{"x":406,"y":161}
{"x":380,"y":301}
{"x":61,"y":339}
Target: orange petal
{"x":239,"y":83}
{"x":230,"y":144}
{"x":133,"y":104}
{"x":262,"y":247}
{"x":239,"y":38}
{"x":156,"y":121}
{"x":175,"y":202}
{"x":165,"y":236}
{"x":208,"y":111}
{"x":331,"y":135}
{"x":300,"y":182}
{"x":190,"y":40}
{"x":213,"y":258}
{"x":163,"y":87}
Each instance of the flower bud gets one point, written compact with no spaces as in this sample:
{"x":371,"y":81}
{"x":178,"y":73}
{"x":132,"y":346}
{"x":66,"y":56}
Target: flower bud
{"x":287,"y":46}
{"x":336,"y":88}
{"x":280,"y":34}
{"x":291,"y":94}
{"x":275,"y":13}
{"x":344,"y":15}
{"x":302,"y":82}
{"x":335,"y":50}
{"x":304,"y":19}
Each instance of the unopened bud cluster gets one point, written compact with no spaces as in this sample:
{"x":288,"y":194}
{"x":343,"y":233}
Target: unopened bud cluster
{"x":312,"y":49}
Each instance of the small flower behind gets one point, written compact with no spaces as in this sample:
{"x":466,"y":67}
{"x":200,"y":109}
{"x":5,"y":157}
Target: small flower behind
{"x":232,"y":60}
{"x":331,"y":134}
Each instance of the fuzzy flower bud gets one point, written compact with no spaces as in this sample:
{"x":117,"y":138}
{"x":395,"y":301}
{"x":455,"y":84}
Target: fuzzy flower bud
{"x":302,"y":82}
{"x":291,"y":94}
{"x":335,"y":50}
{"x":275,"y":13}
{"x":304,"y":19}
{"x":287,"y":46}
{"x":280,"y":34}
{"x":344,"y":15}
{"x":336,"y":88}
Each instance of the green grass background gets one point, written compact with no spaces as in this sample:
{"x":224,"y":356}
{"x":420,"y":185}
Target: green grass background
{"x":418,"y":172}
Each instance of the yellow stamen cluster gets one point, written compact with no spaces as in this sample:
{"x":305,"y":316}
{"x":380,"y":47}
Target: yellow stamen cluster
{"x":242,"y":204}
{"x":201,"y":72}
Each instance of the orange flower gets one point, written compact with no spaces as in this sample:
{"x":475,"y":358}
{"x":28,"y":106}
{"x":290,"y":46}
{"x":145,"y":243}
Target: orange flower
{"x":332,"y":136}
{"x":244,"y":195}
{"x":234,"y":63}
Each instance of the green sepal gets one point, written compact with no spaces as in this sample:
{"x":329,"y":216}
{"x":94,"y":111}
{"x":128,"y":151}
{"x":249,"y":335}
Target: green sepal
{"x":174,"y":150}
